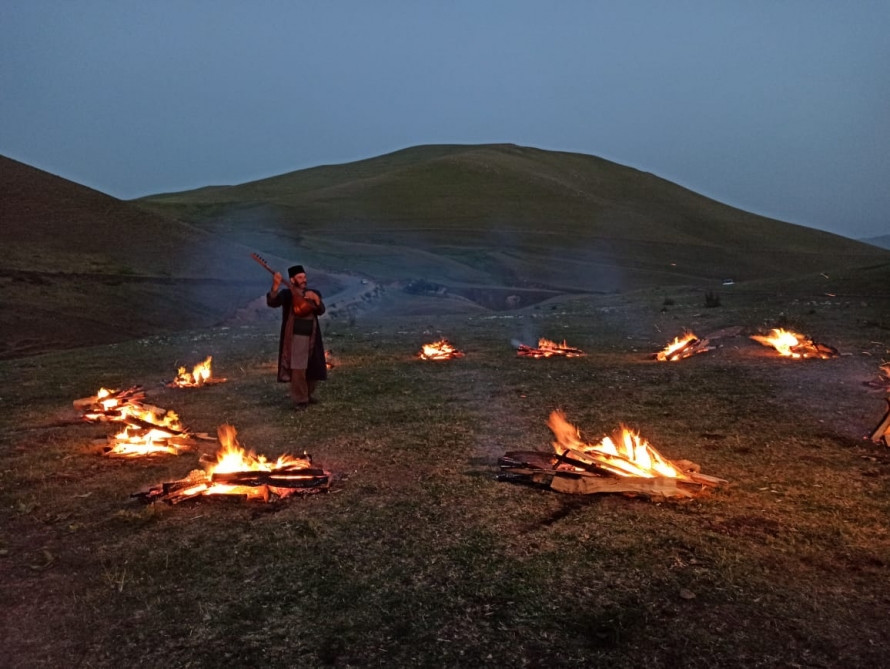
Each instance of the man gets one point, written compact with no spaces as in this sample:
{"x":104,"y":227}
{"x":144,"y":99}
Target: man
{"x":300,"y":349}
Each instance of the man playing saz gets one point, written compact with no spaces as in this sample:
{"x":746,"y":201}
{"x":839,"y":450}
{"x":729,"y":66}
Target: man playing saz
{"x":301,"y":360}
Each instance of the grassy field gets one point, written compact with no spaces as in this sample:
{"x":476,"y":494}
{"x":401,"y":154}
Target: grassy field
{"x":418,"y":555}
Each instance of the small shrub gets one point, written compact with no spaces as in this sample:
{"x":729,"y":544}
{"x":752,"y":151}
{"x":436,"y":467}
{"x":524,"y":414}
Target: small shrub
{"x":712,"y":300}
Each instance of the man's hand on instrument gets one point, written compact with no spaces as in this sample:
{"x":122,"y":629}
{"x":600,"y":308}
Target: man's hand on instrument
{"x":276,"y":281}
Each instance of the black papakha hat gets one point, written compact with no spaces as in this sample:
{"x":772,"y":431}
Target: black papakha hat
{"x":296,"y":269}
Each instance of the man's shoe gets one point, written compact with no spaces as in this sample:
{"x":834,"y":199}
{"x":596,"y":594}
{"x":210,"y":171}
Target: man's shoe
{"x":302,"y":406}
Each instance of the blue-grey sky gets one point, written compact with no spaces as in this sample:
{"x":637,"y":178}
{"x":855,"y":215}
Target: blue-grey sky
{"x":780,"y":107}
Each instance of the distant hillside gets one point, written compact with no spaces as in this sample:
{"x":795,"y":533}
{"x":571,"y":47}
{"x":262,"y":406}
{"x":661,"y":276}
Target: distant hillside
{"x":80,"y":267}
{"x":882,"y":241}
{"x":505,"y":215}
{"x":431,"y":229}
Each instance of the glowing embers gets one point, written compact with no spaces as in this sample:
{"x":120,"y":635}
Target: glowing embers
{"x":241,"y":474}
{"x":623,"y":463}
{"x":440,"y":350}
{"x":549,"y":349}
{"x":792,"y":345}
{"x":200,"y":375}
{"x":683,"y":347}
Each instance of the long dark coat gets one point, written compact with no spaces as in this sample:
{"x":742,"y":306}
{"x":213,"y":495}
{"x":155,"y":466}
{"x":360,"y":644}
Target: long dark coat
{"x":316,"y":367}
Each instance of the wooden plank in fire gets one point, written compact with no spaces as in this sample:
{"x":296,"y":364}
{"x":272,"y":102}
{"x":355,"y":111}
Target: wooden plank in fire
{"x":810,"y":348}
{"x":549,"y":470}
{"x":587,"y":485}
{"x":206,"y":382}
{"x":295,"y":478}
{"x":148,"y":425}
{"x":690,"y":348}
{"x":531,"y":351}
{"x":134,"y":394}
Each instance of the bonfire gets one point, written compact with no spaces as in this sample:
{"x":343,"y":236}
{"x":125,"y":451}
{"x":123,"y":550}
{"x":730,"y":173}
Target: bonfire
{"x":110,"y":405}
{"x":623,"y":462}
{"x":200,"y":375}
{"x":148,"y":431}
{"x":793,"y":345}
{"x":143,"y":440}
{"x":242,"y":474}
{"x":683,"y":347}
{"x":440,"y":350}
{"x":549,"y":349}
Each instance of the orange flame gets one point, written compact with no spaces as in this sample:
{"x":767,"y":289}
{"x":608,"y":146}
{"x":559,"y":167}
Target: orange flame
{"x":104,"y":396}
{"x":134,"y":443}
{"x":440,"y":350}
{"x":155,"y":433}
{"x":198,"y":376}
{"x":625,"y":455}
{"x":548,"y":349}
{"x":677,"y":349}
{"x":232,"y":458}
{"x":793,"y":345}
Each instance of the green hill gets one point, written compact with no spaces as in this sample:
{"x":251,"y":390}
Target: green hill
{"x":80,"y":267}
{"x":432,"y":229}
{"x":509,"y":215}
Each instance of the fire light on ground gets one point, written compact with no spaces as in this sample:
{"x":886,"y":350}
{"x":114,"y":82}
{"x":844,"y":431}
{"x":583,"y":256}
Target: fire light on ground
{"x":201,"y":374}
{"x":683,"y":347}
{"x":239,"y":473}
{"x":549,"y":349}
{"x":440,"y":350}
{"x":793,"y":345}
{"x":623,"y":462}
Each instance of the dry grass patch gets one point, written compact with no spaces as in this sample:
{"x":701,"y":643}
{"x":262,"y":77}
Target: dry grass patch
{"x":418,"y":556}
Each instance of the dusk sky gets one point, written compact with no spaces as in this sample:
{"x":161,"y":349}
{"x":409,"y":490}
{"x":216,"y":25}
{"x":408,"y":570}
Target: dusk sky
{"x":779,"y":107}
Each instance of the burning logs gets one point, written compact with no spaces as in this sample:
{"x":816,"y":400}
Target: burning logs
{"x":793,"y":345}
{"x":201,"y":375}
{"x":440,"y":350}
{"x":137,"y":442}
{"x":683,"y":347}
{"x":625,"y":464}
{"x":242,"y":474}
{"x":148,"y":430}
{"x":110,"y":405}
{"x":549,"y":349}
